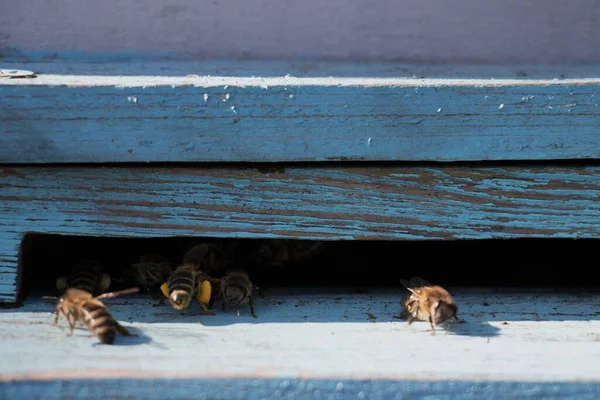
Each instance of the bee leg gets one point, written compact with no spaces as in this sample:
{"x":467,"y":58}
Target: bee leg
{"x":206,"y":309}
{"x":432,"y":327}
{"x":411,"y":319}
{"x":71,"y":321}
{"x":251,"y":303}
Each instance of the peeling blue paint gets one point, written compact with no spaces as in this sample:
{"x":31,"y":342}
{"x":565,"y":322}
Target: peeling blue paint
{"x":42,"y":124}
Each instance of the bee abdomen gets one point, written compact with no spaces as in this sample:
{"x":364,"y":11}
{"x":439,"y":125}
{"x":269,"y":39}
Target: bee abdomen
{"x":181,"y":280}
{"x":84,"y":279}
{"x":100,"y":322}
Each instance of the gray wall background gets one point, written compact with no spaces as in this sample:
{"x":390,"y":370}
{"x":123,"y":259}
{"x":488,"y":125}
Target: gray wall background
{"x":464,"y":31}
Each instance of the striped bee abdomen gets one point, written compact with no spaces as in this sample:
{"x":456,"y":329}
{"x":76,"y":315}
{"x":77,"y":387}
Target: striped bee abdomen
{"x":100,"y":322}
{"x":182,"y":284}
{"x":85,"y":276}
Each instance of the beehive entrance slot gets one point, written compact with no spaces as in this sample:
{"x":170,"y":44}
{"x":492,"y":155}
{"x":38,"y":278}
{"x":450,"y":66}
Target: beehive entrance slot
{"x":556,"y":263}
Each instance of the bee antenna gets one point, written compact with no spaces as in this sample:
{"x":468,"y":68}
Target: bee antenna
{"x":112,"y":295}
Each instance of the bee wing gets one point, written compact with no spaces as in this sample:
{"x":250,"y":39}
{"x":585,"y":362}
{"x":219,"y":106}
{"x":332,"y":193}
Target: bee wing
{"x":415,"y":281}
{"x":415,"y":284}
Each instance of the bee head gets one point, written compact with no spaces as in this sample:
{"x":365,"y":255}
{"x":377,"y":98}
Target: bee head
{"x":443,"y":312}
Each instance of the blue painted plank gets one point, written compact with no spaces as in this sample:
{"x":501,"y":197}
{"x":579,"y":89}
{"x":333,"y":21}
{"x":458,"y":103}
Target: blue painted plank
{"x":335,"y":203}
{"x":213,"y":119}
{"x":294,"y":389}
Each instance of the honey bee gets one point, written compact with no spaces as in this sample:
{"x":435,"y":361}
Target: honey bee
{"x":235,"y":289}
{"x":79,"y":306}
{"x":211,"y":257}
{"x":149,"y":273}
{"x":276,"y":252}
{"x":185,"y":283}
{"x":427,"y":302}
{"x":86,"y":275}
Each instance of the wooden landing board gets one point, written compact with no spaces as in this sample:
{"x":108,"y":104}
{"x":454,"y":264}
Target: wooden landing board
{"x":343,"y":203}
{"x":106,"y":118}
{"x":522,"y":344}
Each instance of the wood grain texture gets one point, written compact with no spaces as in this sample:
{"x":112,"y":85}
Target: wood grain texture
{"x":69,"y":119}
{"x":510,"y":339}
{"x":341,"y":203}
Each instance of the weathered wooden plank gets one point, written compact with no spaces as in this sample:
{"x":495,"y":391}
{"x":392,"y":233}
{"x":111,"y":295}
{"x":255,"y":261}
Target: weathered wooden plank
{"x":62,"y":119}
{"x":335,"y":203}
{"x":293,"y":389}
{"x":330,"y":335}
{"x":10,"y":246}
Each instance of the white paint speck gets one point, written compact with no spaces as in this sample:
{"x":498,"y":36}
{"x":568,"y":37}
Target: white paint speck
{"x":225,"y":87}
{"x":369,"y":142}
{"x":550,"y":107}
{"x":439,"y":110}
{"x":486,"y":97}
{"x":233,"y":109}
{"x":339,"y":387}
{"x":205,"y":97}
{"x":291,"y":96}
{"x":501,"y":106}
{"x":226,"y":97}
{"x":132,"y":99}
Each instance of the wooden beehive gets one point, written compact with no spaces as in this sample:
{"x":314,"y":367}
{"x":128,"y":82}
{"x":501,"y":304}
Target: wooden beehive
{"x":147,"y":134}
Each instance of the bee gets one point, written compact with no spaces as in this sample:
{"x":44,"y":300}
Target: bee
{"x":185,"y":283}
{"x":149,"y":273}
{"x":276,"y":252}
{"x":86,"y":275}
{"x":78,"y":305}
{"x":427,"y":302}
{"x":211,"y":257}
{"x":235,"y":289}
